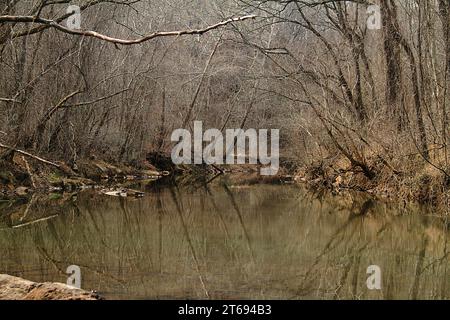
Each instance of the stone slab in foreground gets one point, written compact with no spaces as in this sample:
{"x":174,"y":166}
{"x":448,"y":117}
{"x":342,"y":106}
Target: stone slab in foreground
{"x":13,"y":288}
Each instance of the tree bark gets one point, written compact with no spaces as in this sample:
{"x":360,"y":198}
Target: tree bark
{"x":392,"y":51}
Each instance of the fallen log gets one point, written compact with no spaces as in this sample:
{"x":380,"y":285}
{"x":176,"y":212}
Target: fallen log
{"x":30,"y":155}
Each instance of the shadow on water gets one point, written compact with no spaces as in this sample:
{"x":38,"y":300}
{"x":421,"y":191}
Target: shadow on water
{"x":223,"y":240}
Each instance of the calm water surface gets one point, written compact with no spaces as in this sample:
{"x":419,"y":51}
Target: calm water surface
{"x":230,"y":242}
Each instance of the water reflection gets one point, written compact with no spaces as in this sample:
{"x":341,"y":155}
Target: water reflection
{"x":222,"y":241}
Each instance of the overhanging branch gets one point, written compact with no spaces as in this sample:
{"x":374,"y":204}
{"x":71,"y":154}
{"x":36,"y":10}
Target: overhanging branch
{"x":94,"y":34}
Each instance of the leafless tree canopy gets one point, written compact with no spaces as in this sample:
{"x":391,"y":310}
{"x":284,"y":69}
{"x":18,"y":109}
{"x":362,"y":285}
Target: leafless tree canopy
{"x":138,"y":69}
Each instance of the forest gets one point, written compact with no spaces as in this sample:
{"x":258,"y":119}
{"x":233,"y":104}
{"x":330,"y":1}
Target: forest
{"x":358,"y":89}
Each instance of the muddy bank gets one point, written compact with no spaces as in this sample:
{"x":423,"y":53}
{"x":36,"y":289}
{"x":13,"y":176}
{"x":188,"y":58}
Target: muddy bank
{"x":14,"y":288}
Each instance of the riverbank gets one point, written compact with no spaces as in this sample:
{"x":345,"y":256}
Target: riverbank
{"x":21,"y":175}
{"x":417,"y":182}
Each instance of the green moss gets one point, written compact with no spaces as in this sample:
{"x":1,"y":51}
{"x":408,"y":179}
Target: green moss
{"x":55,"y":196}
{"x":54,"y":178}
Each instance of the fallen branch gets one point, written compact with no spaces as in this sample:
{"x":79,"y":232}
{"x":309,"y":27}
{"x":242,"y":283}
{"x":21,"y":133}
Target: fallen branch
{"x":30,"y":155}
{"x":94,"y":34}
{"x":27,"y":165}
{"x":34,"y":222}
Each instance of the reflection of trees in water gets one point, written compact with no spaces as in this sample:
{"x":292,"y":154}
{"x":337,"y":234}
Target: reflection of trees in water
{"x":347,"y":247}
{"x":178,"y":204}
{"x":339,"y":238}
{"x":213,"y":242}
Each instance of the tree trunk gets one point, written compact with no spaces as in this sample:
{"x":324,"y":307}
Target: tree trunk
{"x":392,"y":50}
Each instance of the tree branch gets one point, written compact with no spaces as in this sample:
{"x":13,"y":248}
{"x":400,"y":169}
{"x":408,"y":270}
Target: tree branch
{"x":94,"y":34}
{"x":30,"y":155}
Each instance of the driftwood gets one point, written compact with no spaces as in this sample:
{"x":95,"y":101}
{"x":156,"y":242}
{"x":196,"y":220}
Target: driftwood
{"x":122,"y":193}
{"x":30,"y":155}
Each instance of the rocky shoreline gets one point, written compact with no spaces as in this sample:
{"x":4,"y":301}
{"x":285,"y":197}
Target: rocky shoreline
{"x":14,"y":288}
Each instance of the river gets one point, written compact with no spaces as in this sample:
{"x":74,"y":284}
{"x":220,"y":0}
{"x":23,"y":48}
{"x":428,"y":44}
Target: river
{"x":228,"y":241}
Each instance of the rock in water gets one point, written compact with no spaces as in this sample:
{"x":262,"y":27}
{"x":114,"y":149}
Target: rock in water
{"x":13,"y":288}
